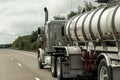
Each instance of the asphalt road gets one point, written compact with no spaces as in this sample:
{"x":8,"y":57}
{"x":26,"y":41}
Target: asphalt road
{"x":21,"y":65}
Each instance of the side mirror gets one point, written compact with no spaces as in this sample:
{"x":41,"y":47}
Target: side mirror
{"x":39,"y":30}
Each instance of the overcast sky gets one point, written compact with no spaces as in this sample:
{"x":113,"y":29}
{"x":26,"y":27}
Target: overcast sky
{"x":21,"y":17}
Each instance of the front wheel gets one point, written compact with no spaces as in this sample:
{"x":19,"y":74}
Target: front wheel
{"x":53,"y":66}
{"x":41,"y":66}
{"x":104,"y":72}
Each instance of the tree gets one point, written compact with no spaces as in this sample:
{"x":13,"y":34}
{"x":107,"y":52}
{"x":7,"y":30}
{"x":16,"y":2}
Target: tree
{"x":71,"y":14}
{"x":88,"y":6}
{"x":27,"y":42}
{"x":101,"y":5}
{"x":58,"y":17}
{"x":33,"y":36}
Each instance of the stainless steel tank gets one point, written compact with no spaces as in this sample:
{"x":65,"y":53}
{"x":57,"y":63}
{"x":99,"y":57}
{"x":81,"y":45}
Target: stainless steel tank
{"x":103,"y":24}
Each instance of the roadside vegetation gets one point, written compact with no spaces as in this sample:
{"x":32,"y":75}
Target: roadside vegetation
{"x":27,"y":42}
{"x":88,"y":7}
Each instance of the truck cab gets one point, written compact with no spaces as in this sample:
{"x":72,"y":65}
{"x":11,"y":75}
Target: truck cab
{"x":51,"y":35}
{"x":54,"y":32}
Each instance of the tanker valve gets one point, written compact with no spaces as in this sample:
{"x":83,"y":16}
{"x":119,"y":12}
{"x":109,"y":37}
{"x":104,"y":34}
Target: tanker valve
{"x":88,"y":60}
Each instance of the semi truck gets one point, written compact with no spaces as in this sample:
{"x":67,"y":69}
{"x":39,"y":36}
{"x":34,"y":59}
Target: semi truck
{"x":85,"y":46}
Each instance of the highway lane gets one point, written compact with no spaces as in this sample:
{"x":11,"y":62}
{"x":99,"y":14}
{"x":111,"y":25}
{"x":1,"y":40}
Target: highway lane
{"x":21,"y":65}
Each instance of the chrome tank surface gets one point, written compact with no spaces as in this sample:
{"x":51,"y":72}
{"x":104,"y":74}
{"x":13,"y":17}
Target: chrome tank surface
{"x":102,"y":23}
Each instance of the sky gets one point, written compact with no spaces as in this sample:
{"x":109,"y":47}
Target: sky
{"x":21,"y":17}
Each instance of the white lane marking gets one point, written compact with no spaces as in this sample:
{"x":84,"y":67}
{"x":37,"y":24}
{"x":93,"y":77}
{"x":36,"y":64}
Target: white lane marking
{"x":37,"y":78}
{"x":19,"y":64}
{"x":11,"y":58}
{"x":31,"y":55}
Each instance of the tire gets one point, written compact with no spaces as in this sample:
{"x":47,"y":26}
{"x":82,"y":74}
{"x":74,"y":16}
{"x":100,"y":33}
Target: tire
{"x":53,"y":66}
{"x":104,"y":72}
{"x":40,"y":63}
{"x":59,"y":69}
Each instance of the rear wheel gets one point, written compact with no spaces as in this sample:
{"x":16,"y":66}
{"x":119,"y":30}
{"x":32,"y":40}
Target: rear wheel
{"x":59,"y":69}
{"x":53,"y":66}
{"x":104,"y":72}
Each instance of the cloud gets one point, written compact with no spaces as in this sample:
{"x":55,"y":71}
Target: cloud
{"x":18,"y":18}
{"x":21,"y":17}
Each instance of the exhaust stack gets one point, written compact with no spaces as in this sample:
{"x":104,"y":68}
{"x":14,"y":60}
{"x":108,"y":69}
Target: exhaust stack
{"x":46,"y":15}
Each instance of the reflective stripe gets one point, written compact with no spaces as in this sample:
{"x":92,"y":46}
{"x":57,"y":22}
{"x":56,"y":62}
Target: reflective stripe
{"x":75,"y":29}
{"x":69,"y":28}
{"x":98,"y":26}
{"x":90,"y":25}
{"x":113,"y":23}
{"x":66,"y":29}
{"x":83,"y":32}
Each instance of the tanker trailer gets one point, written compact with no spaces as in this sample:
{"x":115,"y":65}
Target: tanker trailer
{"x":97,"y":33}
{"x":87,"y":46}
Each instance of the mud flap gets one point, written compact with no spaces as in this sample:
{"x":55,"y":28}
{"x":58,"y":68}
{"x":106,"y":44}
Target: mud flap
{"x":115,"y":73}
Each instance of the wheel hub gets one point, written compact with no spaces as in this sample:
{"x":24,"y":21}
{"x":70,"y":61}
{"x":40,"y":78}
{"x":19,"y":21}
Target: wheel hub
{"x":52,"y":67}
{"x":58,"y":68}
{"x":103,"y":73}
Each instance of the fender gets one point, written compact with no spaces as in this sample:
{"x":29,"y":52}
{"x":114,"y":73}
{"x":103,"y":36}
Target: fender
{"x":105,"y":56}
{"x":109,"y":57}
{"x":41,"y":54}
